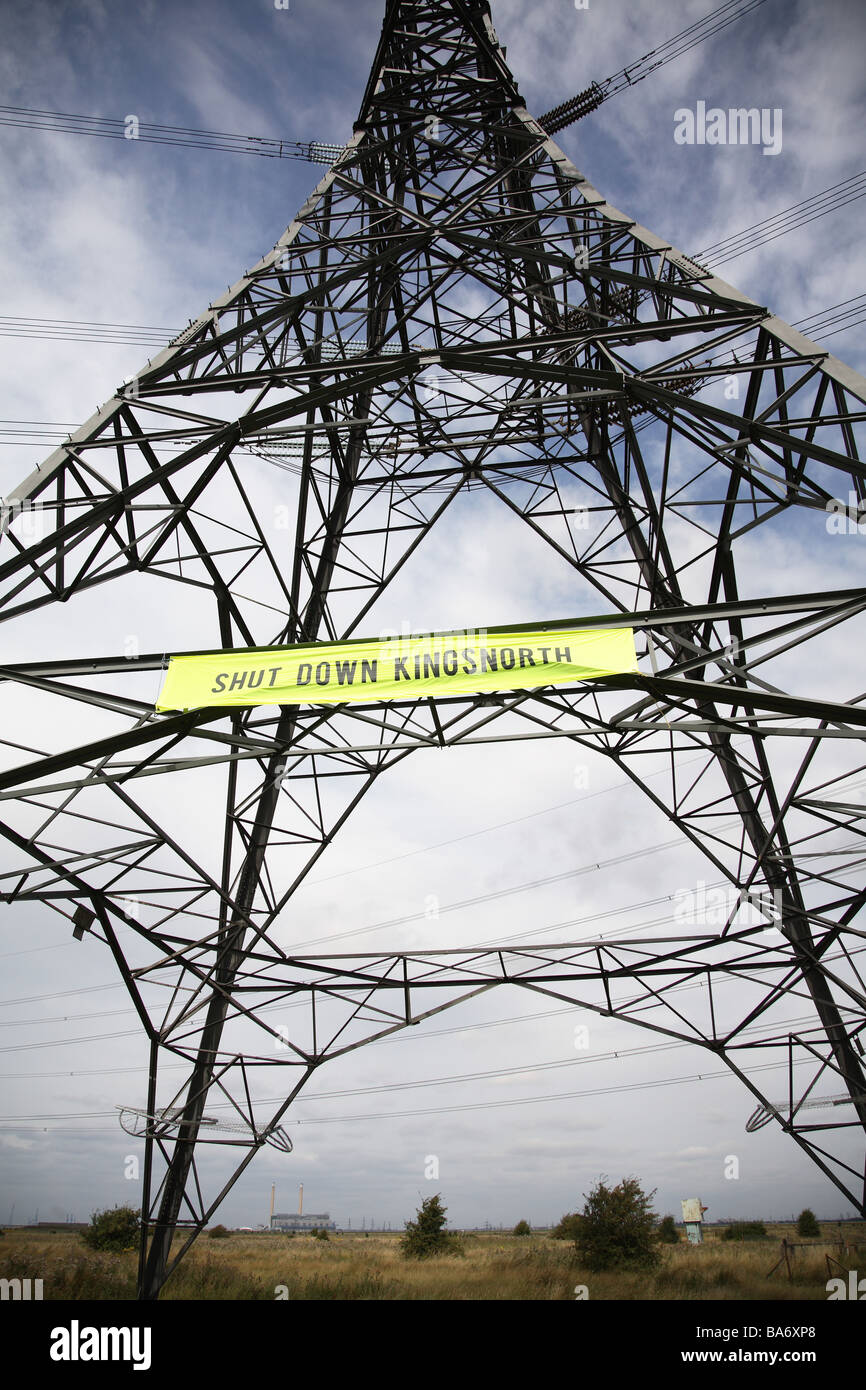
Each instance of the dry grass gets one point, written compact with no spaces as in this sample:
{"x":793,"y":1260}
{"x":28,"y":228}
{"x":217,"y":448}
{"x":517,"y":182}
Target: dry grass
{"x":353,"y":1267}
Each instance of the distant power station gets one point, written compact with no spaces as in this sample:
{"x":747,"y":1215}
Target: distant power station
{"x":287,"y":1221}
{"x":280,"y":1221}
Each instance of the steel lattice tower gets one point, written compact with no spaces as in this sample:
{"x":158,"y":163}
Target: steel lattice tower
{"x":572,"y":351}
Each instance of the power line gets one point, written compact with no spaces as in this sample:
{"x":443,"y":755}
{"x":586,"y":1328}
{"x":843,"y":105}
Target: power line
{"x":538,"y":1100}
{"x":68,"y":1042}
{"x":63,"y":1018}
{"x":118,"y":334}
{"x":85,"y":331}
{"x":853,"y":312}
{"x":838,"y":318}
{"x":450,"y":1109}
{"x":520,"y":936}
{"x":853,"y":309}
{"x":598,"y":92}
{"x":828,"y":200}
{"x":554,"y":926}
{"x":499,"y":1072}
{"x":680,"y":43}
{"x":135,"y":131}
{"x":551,"y":927}
{"x":487,"y":1075}
{"x":381,"y":863}
{"x":498,"y":893}
{"x":406,"y":1035}
{"x":61,"y":994}
{"x":283,"y":1008}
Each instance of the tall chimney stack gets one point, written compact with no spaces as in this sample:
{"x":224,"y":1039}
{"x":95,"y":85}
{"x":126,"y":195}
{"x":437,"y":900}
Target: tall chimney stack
{"x":301,"y":1200}
{"x":273,"y":1190}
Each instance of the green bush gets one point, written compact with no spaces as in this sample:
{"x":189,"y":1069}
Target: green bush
{"x":114,"y":1230}
{"x":319,"y":1233}
{"x":568,"y":1227}
{"x":668,"y":1233}
{"x":745,"y":1230}
{"x":522,"y":1228}
{"x":218,"y":1233}
{"x":807,"y":1224}
{"x":618,"y":1227}
{"x":426,"y":1235}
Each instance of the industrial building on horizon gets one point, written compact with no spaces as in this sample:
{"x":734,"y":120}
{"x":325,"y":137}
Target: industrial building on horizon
{"x":294,"y":1221}
{"x":297,"y":1221}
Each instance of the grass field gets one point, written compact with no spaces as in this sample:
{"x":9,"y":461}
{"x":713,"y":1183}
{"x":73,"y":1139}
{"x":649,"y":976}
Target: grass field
{"x":493,"y":1266}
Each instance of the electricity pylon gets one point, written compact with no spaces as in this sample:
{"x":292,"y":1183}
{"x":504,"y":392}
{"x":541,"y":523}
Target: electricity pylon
{"x":455,"y":310}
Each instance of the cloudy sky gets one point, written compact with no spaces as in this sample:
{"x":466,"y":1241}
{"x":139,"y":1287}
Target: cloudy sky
{"x":128,"y":233}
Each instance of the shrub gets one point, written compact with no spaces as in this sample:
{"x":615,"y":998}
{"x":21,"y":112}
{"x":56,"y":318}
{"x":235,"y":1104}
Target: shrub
{"x":427,"y":1235}
{"x":618,"y":1227}
{"x":114,"y":1230}
{"x":522,"y":1228}
{"x":745,"y":1230}
{"x":568,"y":1227}
{"x":668,"y":1233}
{"x":218,"y":1233}
{"x":319,"y":1233}
{"x":807,"y":1224}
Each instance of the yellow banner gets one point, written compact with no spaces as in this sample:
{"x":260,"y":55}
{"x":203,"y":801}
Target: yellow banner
{"x":451,"y":663}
